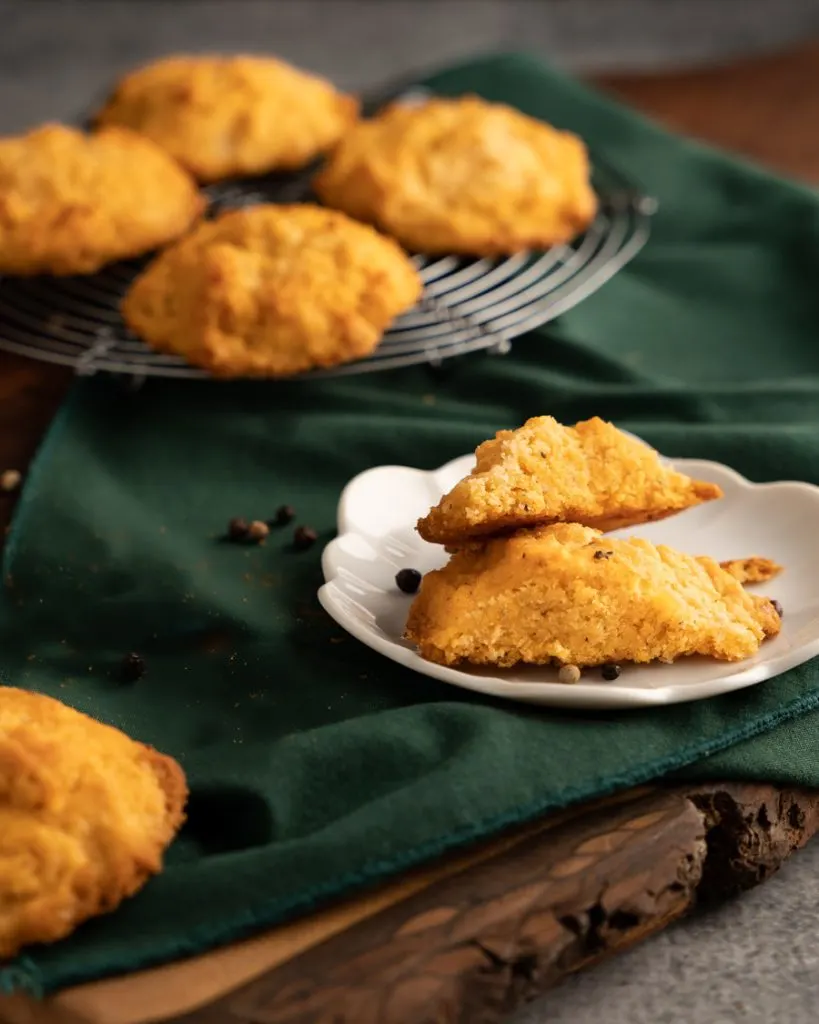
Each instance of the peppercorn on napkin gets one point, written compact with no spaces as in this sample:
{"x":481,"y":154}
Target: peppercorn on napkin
{"x":315,"y":765}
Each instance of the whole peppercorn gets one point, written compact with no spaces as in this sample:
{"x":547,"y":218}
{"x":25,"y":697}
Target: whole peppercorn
{"x":237,"y":529}
{"x":610,"y":672}
{"x":284,"y":514}
{"x":304,"y":537}
{"x":10,"y":480}
{"x":132,"y":667}
{"x":569,"y":674}
{"x":257,"y":531}
{"x":408,"y":580}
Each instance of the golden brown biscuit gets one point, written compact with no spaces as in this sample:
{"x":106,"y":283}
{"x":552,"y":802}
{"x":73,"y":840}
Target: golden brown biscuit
{"x":565,"y":593}
{"x":72,"y":202}
{"x":85,"y":816}
{"x":462,"y":176}
{"x":544,"y":472}
{"x":752,"y":570}
{"x":271,"y":291}
{"x":228,"y":116}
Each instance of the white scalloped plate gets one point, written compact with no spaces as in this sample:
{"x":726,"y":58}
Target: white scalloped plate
{"x":376,"y":518}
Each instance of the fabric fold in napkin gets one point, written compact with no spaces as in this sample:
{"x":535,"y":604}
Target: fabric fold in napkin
{"x":316,"y":766}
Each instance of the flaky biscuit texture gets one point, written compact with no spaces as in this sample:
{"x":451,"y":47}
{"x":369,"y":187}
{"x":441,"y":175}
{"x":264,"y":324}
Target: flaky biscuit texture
{"x":86,"y":814}
{"x":462,"y":176}
{"x":271,"y":291}
{"x":223,"y":117}
{"x":567,"y":594}
{"x":755,"y":569}
{"x":71,"y":202}
{"x":591,"y":473}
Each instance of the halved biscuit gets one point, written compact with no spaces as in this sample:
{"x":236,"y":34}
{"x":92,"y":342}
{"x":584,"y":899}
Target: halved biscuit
{"x":543,"y":472}
{"x":567,"y":594}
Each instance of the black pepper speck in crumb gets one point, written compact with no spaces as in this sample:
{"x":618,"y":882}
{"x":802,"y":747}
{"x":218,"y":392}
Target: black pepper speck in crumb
{"x":304,"y":537}
{"x":132,"y":668}
{"x":777,"y":607}
{"x":610,"y":672}
{"x":602,"y":554}
{"x":408,"y":580}
{"x":284,"y":514}
{"x":237,"y":529}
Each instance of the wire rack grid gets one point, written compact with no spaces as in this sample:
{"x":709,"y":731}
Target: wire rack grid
{"x":467,"y":305}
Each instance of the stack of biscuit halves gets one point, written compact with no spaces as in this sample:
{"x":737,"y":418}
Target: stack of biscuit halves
{"x":535,"y":578}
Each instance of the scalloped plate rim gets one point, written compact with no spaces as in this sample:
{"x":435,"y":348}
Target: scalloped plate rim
{"x":597,"y":695}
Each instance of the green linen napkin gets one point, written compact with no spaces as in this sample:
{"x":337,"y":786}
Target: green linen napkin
{"x":316,"y":766}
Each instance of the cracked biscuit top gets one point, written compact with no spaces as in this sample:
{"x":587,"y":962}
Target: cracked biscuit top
{"x":86,"y":814}
{"x":543,"y":472}
{"x":225,"y":117}
{"x":272,"y":291}
{"x":70,"y":202}
{"x":462,"y":176}
{"x":569,"y":595}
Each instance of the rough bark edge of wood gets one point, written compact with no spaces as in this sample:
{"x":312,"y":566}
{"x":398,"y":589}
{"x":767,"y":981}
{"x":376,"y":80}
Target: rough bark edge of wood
{"x":461,"y":952}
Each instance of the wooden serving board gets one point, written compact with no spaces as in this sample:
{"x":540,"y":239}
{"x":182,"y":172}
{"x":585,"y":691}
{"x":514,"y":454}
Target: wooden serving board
{"x":471,"y":937}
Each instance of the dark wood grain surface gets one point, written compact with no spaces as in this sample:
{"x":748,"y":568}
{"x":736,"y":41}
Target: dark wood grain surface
{"x":29,"y":396}
{"x":764,"y":108}
{"x":474,"y":946}
{"x":470,"y":938}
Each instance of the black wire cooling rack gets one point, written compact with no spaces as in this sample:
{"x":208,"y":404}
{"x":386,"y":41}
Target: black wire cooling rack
{"x":467,"y":305}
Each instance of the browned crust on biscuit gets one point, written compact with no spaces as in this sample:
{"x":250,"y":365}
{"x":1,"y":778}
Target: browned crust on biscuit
{"x":86,"y":814}
{"x":462,"y":176}
{"x":174,"y":785}
{"x":226,"y":116}
{"x":755,"y":569}
{"x":566,"y":594}
{"x":591,"y":474}
{"x":72,"y":202}
{"x":273,"y":291}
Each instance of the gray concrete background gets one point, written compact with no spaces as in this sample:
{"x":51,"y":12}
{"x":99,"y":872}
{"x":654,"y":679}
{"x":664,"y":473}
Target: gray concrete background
{"x":756,"y":960}
{"x":56,"y":55}
{"x":752,"y":961}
